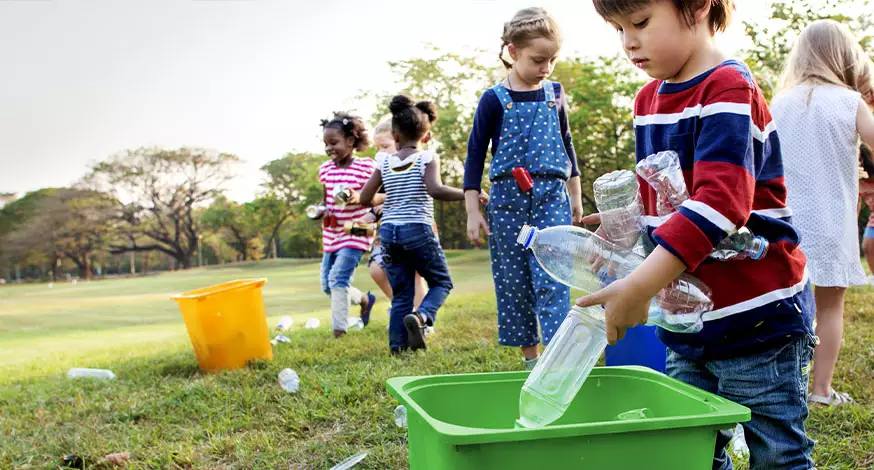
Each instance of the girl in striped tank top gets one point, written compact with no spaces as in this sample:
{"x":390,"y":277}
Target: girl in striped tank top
{"x":411,"y":178}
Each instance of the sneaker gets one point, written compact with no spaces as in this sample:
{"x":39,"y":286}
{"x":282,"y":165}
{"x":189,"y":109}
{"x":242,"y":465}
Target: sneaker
{"x":415,"y":331}
{"x":365,"y":310}
{"x":530,"y":363}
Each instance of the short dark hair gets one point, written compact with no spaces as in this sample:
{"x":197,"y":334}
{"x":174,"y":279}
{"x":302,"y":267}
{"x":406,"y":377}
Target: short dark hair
{"x":720,"y":10}
{"x":350,"y":126}
{"x":411,"y":121}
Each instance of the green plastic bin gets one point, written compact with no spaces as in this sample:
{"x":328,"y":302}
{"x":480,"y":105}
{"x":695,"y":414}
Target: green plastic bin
{"x":466,"y":421}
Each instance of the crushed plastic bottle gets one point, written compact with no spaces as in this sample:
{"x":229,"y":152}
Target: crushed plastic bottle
{"x":350,"y":462}
{"x":284,"y":324}
{"x":78,"y":372}
{"x":289,"y":381}
{"x":617,"y":197}
{"x":355,"y":324}
{"x":741,"y":245}
{"x":316,"y":211}
{"x":341,"y":195}
{"x":401,"y":416}
{"x":312,"y":323}
{"x":738,"y":444}
{"x":280,"y":339}
{"x":663,"y":172}
{"x":579,"y":258}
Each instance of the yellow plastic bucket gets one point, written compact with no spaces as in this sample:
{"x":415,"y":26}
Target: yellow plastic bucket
{"x":227,"y":324}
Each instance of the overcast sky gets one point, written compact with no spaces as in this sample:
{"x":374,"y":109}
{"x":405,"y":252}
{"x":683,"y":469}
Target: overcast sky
{"x":82,"y":80}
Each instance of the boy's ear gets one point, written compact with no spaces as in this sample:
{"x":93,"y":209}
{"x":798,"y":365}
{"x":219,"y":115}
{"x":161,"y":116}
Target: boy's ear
{"x":426,"y":138}
{"x":703,"y":13}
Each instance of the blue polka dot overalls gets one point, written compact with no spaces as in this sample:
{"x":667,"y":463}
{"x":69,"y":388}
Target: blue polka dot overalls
{"x":527,"y":295}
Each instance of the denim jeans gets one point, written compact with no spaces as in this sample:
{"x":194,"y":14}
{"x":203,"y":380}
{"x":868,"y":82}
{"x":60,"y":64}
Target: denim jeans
{"x":410,"y":249}
{"x":773,"y":385}
{"x":336,"y":276}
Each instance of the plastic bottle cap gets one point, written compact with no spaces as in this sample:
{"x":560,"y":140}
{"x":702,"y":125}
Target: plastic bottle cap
{"x":526,"y":236}
{"x":763,"y":248}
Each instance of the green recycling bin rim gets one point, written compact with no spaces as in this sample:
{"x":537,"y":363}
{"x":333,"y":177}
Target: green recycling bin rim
{"x":722,"y":410}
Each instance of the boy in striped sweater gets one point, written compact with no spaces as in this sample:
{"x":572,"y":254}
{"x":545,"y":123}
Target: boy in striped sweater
{"x":756,"y":345}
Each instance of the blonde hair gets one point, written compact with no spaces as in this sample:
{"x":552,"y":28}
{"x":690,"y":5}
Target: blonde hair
{"x":827,"y":53}
{"x":383,"y":126}
{"x":528,"y":24}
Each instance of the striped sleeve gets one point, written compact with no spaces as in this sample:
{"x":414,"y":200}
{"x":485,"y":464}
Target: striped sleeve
{"x":723,"y":183}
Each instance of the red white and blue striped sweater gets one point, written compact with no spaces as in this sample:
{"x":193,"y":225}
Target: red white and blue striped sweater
{"x":720,"y":125}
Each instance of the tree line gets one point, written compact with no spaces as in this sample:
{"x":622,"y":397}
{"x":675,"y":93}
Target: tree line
{"x":150,"y":209}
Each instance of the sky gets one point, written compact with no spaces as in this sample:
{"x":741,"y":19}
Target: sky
{"x":84,"y":79}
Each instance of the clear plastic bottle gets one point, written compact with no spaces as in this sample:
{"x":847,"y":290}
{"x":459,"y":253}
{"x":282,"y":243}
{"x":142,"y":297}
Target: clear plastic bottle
{"x":617,"y":197}
{"x":341,"y":195}
{"x":316,"y":211}
{"x":400,"y":414}
{"x":79,"y":372}
{"x":563,"y":367}
{"x":289,"y":380}
{"x":663,"y":172}
{"x":741,"y":245}
{"x":578,"y":258}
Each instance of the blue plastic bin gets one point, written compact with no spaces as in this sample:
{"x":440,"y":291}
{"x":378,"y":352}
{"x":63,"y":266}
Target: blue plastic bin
{"x":640,"y":347}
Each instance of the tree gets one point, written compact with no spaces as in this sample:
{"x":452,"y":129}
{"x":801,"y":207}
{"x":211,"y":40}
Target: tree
{"x":65,"y":223}
{"x":600,"y":95}
{"x":15,"y":249}
{"x":236,"y":223}
{"x":773,"y":39}
{"x":290,"y":185}
{"x":156,"y":192}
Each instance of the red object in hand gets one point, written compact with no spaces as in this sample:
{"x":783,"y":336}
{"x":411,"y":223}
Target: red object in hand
{"x":330,"y":221}
{"x":523,"y":179}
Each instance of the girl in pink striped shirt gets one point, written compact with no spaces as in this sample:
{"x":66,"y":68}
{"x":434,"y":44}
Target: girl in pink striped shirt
{"x":344,"y":175}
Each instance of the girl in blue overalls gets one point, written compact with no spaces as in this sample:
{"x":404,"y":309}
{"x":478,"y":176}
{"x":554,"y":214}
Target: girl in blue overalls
{"x":534,"y":179}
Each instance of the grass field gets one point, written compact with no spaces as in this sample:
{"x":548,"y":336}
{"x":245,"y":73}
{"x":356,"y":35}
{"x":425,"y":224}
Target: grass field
{"x":167,"y":414}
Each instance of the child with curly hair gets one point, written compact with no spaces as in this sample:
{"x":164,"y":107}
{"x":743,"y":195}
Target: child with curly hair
{"x":345,"y":174}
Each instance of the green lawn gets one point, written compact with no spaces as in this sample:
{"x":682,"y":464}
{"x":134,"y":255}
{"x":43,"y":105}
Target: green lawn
{"x":167,"y":414}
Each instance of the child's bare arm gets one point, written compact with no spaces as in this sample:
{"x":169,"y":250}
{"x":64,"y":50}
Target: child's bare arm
{"x":865,"y":124}
{"x":435,"y":186}
{"x":368,"y":195}
{"x":575,"y":191}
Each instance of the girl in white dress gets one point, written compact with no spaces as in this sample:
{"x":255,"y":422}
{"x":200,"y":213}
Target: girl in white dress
{"x":820,"y":114}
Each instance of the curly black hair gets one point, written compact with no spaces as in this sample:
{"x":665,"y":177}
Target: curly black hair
{"x":411,"y":121}
{"x":350,"y":126}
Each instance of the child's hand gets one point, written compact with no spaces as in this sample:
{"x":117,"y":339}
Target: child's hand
{"x":624,"y":307}
{"x":354,"y":197}
{"x":475,"y":224}
{"x":577,"y":211}
{"x":591,"y":219}
{"x":483,"y":198}
{"x":369,"y":218}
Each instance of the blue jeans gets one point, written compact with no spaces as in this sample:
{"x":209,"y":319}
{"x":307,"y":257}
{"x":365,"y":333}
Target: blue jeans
{"x":773,"y":385}
{"x":338,"y":268}
{"x":410,"y":249}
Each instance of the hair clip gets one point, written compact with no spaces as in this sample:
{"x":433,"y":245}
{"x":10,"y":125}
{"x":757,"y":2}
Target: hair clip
{"x":345,"y":121}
